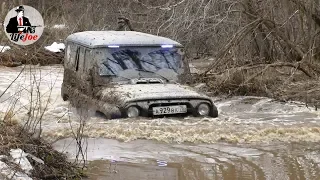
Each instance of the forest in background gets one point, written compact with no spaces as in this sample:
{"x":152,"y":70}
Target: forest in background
{"x":266,"y":48}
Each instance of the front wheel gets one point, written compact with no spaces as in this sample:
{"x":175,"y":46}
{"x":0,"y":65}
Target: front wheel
{"x":214,"y":111}
{"x":65,"y":97}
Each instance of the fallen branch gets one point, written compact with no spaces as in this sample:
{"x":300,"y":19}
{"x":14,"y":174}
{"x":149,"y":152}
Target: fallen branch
{"x":281,"y":64}
{"x":307,"y":11}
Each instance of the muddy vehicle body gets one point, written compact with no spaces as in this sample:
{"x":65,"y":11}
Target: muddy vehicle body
{"x":129,"y":74}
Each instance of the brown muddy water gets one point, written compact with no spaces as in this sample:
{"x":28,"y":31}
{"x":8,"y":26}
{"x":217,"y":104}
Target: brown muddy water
{"x":253,"y":137}
{"x":151,"y":160}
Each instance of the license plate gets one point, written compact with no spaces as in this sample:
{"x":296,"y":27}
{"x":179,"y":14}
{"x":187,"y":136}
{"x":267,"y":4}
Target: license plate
{"x":169,"y":109}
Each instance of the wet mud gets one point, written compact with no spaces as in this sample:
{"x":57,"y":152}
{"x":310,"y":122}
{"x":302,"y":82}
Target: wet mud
{"x":84,"y":90}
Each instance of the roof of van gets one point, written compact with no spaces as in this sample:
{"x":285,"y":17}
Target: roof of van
{"x":93,"y":39}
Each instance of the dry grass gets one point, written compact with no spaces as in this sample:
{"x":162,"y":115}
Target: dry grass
{"x":281,"y":83}
{"x":16,"y":57}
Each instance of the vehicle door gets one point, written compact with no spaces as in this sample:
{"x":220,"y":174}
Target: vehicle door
{"x":82,"y":69}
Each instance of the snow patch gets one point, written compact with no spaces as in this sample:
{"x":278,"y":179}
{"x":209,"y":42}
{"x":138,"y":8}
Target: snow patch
{"x":20,"y":158}
{"x":59,"y":26}
{"x":55,"y":47}
{"x":4,"y":48}
{"x":200,"y":86}
{"x":193,"y":69}
{"x":10,"y":173}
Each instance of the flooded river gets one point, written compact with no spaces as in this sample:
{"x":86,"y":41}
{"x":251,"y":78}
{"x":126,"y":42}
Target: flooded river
{"x":253,"y":137}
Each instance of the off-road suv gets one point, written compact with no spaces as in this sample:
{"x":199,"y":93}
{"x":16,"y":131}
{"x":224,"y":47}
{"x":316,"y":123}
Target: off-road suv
{"x":129,"y":74}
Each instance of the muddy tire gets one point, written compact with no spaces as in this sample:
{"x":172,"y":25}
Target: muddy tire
{"x":100,"y":114}
{"x":214,"y":112}
{"x":65,"y":97}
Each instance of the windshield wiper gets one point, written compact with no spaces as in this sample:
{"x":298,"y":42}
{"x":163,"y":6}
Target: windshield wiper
{"x":143,"y":70}
{"x":106,"y":75}
{"x":113,"y":73}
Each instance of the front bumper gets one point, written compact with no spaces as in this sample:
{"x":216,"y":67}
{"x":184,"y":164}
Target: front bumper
{"x":146,"y":110}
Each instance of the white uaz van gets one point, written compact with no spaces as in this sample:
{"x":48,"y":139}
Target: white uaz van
{"x":129,"y":74}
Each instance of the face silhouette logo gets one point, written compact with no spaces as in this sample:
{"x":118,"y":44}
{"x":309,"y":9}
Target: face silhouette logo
{"x":23,"y":25}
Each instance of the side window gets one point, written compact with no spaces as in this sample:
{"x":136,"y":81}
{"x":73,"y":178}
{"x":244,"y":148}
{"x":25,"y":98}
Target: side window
{"x":81,"y":52}
{"x":101,"y":61}
{"x":71,"y":55}
{"x":88,"y":59}
{"x":67,"y":56}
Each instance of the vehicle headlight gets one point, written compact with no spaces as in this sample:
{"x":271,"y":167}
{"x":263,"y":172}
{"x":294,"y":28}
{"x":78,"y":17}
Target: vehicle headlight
{"x":133,"y":111}
{"x":204,"y":109}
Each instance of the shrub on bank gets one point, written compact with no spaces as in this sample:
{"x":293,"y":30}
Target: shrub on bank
{"x":56,"y":165}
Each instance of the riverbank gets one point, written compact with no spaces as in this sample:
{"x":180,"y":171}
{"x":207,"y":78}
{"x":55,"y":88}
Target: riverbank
{"x":46,"y":162}
{"x":17,"y":56}
{"x":283,"y":82}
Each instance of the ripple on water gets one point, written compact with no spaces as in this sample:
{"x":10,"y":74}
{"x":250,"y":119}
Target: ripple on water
{"x":194,"y":131}
{"x":241,"y":119}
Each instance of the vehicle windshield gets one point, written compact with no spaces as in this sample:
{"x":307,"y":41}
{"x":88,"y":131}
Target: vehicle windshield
{"x":145,"y":59}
